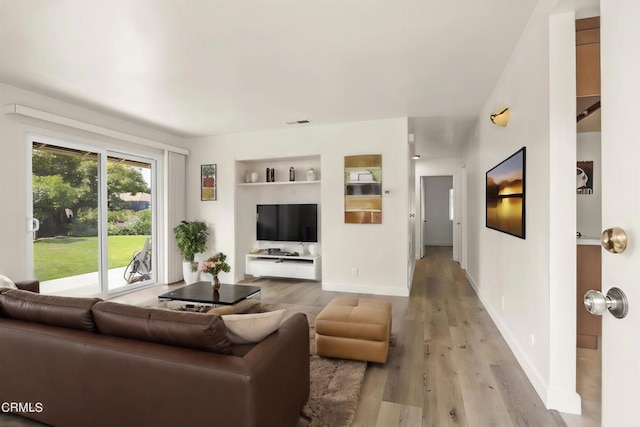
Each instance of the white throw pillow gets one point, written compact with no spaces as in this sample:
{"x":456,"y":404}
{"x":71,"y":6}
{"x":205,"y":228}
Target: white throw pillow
{"x":252,"y":328}
{"x":5,"y":282}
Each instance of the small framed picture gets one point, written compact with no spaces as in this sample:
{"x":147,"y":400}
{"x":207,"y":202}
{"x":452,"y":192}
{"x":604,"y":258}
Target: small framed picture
{"x":584,"y":178}
{"x":208,"y":183}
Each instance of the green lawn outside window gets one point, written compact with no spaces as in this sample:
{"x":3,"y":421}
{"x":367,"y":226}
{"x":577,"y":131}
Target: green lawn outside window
{"x":70,"y":256}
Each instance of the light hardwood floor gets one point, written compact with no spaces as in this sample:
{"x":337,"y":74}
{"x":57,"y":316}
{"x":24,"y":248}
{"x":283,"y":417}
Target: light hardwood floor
{"x":449,"y":365}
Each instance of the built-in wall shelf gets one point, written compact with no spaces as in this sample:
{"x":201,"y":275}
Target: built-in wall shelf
{"x":295,"y":267}
{"x":255,"y":184}
{"x":248,"y":195}
{"x":281,"y":166}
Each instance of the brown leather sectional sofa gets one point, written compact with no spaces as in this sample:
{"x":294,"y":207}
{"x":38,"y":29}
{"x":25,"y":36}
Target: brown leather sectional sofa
{"x":86,"y":362}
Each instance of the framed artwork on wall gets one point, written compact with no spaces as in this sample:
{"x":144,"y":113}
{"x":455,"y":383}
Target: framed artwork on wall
{"x":208,"y":182}
{"x":363,"y":189}
{"x":584,"y":178}
{"x":505,"y":195}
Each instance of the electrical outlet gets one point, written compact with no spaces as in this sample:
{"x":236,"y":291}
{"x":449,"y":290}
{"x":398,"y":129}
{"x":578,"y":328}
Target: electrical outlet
{"x":354,"y":271}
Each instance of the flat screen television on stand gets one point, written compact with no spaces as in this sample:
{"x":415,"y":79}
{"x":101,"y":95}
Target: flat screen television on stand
{"x":287,"y":223}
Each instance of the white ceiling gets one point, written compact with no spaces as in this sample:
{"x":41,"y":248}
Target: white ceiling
{"x":204,"y":67}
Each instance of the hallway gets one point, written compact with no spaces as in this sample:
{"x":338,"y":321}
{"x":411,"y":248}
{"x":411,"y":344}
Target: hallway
{"x":468,"y":374}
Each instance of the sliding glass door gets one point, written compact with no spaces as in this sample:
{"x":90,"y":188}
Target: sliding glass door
{"x":130,"y":221}
{"x":93,"y":218}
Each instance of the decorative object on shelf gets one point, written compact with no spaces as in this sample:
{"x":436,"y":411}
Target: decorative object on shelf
{"x":311,"y":174}
{"x":584,"y":178}
{"x":247,"y":176}
{"x":270,"y":175}
{"x":292,"y":174}
{"x":254,"y":176}
{"x":505,"y":195}
{"x":208,"y":183}
{"x":312,"y":249}
{"x":191,"y":239}
{"x":500,"y":117}
{"x":302,"y":249}
{"x":214,"y":265}
{"x":363,"y":189}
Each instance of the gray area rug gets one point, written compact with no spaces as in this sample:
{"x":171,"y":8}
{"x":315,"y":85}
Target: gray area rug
{"x":335,"y":383}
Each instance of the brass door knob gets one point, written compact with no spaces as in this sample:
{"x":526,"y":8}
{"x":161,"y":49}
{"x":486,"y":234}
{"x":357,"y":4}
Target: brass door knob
{"x":614,"y":240}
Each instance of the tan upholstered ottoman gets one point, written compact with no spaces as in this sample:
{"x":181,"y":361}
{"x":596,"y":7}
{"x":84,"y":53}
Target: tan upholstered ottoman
{"x":354,"y":328}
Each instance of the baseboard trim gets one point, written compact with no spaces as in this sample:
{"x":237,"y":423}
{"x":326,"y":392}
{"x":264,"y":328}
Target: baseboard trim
{"x":553,"y":397}
{"x":365,"y":289}
{"x":539,"y":384}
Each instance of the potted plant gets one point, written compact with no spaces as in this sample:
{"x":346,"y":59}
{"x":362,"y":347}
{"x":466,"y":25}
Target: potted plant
{"x":191,"y":239}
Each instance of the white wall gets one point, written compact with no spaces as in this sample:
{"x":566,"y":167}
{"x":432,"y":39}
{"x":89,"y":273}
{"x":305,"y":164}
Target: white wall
{"x":516,"y":279}
{"x":378,"y":251}
{"x":589,"y":215}
{"x":560,"y":392}
{"x":16,"y":159}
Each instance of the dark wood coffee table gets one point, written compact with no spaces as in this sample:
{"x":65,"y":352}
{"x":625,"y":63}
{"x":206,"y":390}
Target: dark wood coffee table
{"x":202,"y":292}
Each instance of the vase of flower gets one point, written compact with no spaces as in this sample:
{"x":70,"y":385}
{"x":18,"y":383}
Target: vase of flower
{"x":214,"y":265}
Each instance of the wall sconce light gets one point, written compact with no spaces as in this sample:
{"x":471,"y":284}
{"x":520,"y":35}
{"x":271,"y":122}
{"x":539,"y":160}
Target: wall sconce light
{"x":415,"y":156}
{"x":500,"y":117}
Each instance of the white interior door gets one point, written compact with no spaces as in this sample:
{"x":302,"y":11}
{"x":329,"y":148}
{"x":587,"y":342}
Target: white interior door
{"x":411,"y":257}
{"x":420,"y":236}
{"x":620,"y":65}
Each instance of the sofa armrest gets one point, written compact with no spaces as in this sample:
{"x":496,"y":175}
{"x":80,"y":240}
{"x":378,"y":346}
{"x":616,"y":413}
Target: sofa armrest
{"x":29,"y":285}
{"x":280,"y":373}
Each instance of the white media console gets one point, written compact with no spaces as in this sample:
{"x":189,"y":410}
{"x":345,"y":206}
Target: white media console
{"x":295,"y":267}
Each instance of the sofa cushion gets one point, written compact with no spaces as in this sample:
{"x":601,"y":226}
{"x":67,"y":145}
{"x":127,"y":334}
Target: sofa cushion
{"x":225,"y":309}
{"x":68,"y":312}
{"x":183,"y":329}
{"x":252,"y":328}
{"x":28,"y":285}
{"x":5,"y":282}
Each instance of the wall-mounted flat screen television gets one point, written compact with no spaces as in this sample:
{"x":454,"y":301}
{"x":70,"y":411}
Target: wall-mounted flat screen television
{"x":287,"y":222}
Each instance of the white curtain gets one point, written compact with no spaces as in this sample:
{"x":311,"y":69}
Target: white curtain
{"x":175,"y":211}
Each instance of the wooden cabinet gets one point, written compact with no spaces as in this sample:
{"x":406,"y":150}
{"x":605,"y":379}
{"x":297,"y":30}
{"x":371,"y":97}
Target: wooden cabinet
{"x":588,"y":57}
{"x":589,"y":273}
